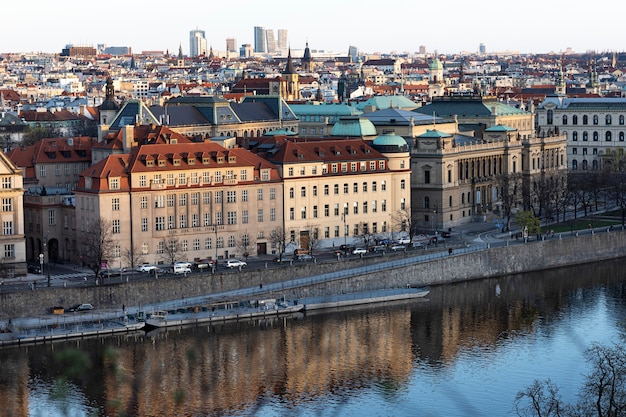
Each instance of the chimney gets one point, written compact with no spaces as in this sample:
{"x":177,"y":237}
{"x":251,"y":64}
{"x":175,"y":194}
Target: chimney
{"x":128,"y":137}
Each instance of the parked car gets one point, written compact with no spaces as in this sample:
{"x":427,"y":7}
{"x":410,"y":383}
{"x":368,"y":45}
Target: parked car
{"x":235,"y":263}
{"x":146,"y":268}
{"x":280,"y":259}
{"x":162,"y":271}
{"x":183,"y":264}
{"x":181,"y":269}
{"x":35,"y":269}
{"x":300,"y":251}
{"x":112,"y":272}
{"x":304,"y":257}
{"x":359,"y":251}
{"x":404,"y":240}
{"x":445,"y":234}
{"x":417,"y":245}
{"x":379,"y":248}
{"x":397,"y":247}
{"x":436,"y":239}
{"x":204,"y":264}
{"x":80,"y":307}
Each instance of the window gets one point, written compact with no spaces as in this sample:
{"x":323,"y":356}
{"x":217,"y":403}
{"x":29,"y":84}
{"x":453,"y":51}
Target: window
{"x":607,"y":136}
{"x":364,"y":187}
{"x":171,"y":222}
{"x":206,"y":219}
{"x":372,"y":166}
{"x":565,"y":119}
{"x":182,"y":179}
{"x":291,"y":193}
{"x":260,"y":215}
{"x":231,"y":241}
{"x":374,"y":207}
{"x":365,"y":207}
{"x":161,"y":247}
{"x":115,"y":204}
{"x":169,"y":179}
{"x":585,"y":119}
{"x":595,"y":119}
{"x":142,"y":180}
{"x":327,"y":210}
{"x":231,"y":196}
{"x":206,"y":197}
{"x":143,"y":202}
{"x":403,"y":183}
{"x":9,"y":251}
{"x":196,"y":244}
{"x":585,"y":136}
{"x":219,"y":196}
{"x":326,"y":190}
{"x":195,"y":199}
{"x":182,"y":200}
{"x":243,"y":175}
{"x":355,"y":188}
{"x":218,"y":218}
{"x":42,"y":170}
{"x":383,"y":186}
{"x":290,"y":172}
{"x":374,"y":186}
{"x":144,"y":249}
{"x":272,"y":193}
{"x":244,"y":195}
{"x":7,"y":228}
{"x":574,"y":119}
{"x":621,"y":119}
{"x":303,"y":192}
{"x":621,"y":136}
{"x":159,"y":201}
{"x":595,"y":136}
{"x":574,"y":151}
{"x":315,"y":191}
{"x":355,"y":208}
{"x":259,"y":194}
{"x":292,"y":214}
{"x":185,"y":245}
{"x":608,"y":120}
{"x":195,"y":220}
{"x":144,"y":224}
{"x":231,"y":217}
{"x":315,"y":212}
{"x":550,"y":116}
{"x":115,"y":227}
{"x":575,"y":136}
{"x":171,"y":200}
{"x":426,"y":177}
{"x":333,"y":168}
{"x":208,"y":243}
{"x":336,"y":189}
{"x":273,"y":214}
{"x":159,"y":223}
{"x":303,"y":213}
{"x":114,"y":183}
{"x":52,"y":217}
{"x":7,"y":182}
{"x":383,"y":206}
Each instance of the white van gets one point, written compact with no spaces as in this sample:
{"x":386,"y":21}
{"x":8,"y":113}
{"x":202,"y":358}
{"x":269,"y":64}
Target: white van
{"x":181,"y":269}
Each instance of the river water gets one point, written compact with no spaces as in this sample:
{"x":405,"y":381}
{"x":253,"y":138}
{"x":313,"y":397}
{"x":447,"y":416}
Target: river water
{"x":465,"y":351}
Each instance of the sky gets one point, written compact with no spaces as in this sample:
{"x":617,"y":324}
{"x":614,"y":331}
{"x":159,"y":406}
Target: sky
{"x":529,"y":26}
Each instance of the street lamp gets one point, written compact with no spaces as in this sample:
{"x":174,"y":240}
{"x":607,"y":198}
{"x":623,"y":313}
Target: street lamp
{"x":42,"y":256}
{"x":345,"y":231}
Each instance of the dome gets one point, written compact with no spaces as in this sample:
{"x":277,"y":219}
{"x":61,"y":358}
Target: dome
{"x":390,"y":142}
{"x":349,"y":126}
{"x":436,"y":65}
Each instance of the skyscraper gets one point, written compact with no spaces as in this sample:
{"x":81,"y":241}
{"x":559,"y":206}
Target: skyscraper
{"x":271,"y":41}
{"x":282,"y":38}
{"x":259,"y":39}
{"x":197,"y":43}
{"x":231,"y":44}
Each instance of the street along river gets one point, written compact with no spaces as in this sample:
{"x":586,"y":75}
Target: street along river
{"x":464,"y":351}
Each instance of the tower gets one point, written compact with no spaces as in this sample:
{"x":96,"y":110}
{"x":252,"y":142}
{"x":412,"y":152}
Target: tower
{"x":290,"y":87}
{"x":307,"y":60}
{"x":436,"y":83}
{"x":259,"y":39}
{"x":197,"y":43}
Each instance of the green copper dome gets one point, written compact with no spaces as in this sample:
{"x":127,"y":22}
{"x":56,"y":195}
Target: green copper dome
{"x":353,"y":127}
{"x":390,"y":142}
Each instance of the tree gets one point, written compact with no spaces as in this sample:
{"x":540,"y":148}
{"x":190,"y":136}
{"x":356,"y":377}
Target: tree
{"x":402,"y":221}
{"x":314,"y":240}
{"x":33,"y":135}
{"x":133,"y":257}
{"x":98,"y":244}
{"x":603,"y":393}
{"x":278,"y":239}
{"x":245,"y":245}
{"x":366,"y":238}
{"x":526,"y":220}
{"x":509,"y":187}
{"x":171,"y":249}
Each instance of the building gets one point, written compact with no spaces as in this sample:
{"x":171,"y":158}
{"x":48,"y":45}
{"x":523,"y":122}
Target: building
{"x":207,"y":201}
{"x":594,"y":127}
{"x":282,"y":39}
{"x":12,"y":243}
{"x":231,"y":45}
{"x":260,"y":40}
{"x":341,"y":191}
{"x":270,"y":41}
{"x":197,"y":43}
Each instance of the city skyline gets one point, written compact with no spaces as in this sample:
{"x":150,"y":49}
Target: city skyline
{"x":333,"y":27}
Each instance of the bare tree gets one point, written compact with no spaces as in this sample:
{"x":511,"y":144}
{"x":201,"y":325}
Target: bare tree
{"x":245,"y":245}
{"x":278,"y":239}
{"x":509,"y":188}
{"x":314,"y":241}
{"x":171,"y":249}
{"x":402,"y":221}
{"x":98,"y":244}
{"x":133,"y":257}
{"x":366,"y":237}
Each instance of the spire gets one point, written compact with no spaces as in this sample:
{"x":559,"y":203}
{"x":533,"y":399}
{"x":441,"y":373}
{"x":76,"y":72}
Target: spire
{"x":289,"y":69}
{"x":180,"y":51}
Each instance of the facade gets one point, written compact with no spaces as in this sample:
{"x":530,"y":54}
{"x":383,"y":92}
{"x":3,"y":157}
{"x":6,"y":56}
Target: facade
{"x":260,"y":40}
{"x":207,"y":198}
{"x":593,"y":127}
{"x":197,"y":43}
{"x":13,"y":261}
{"x":340,"y":191}
{"x":457,"y":179}
{"x":231,"y":45}
{"x":282,"y":39}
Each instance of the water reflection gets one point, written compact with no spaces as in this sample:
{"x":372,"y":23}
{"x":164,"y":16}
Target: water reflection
{"x":303,"y":364}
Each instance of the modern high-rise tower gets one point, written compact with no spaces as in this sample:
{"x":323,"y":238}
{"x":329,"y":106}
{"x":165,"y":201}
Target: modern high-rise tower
{"x":231,"y":44}
{"x":197,"y":43}
{"x":259,"y":39}
{"x":271,"y":40}
{"x":282,"y":38}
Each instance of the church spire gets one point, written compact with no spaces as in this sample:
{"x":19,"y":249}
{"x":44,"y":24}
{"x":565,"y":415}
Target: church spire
{"x":289,"y":69}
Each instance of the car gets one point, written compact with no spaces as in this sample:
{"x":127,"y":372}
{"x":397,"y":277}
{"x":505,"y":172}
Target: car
{"x":417,"y":245}
{"x":359,"y":251}
{"x":161,"y":271}
{"x":235,"y":263}
{"x":80,"y":307}
{"x":304,"y":257}
{"x":146,"y":268}
{"x":436,"y":239}
{"x":112,"y":272}
{"x":280,"y":259}
{"x":379,"y":248}
{"x":445,"y":234}
{"x":180,"y":269}
{"x":404,"y":240}
{"x":203,"y":264}
{"x":397,"y":247}
{"x":35,"y":269}
{"x":182,"y":263}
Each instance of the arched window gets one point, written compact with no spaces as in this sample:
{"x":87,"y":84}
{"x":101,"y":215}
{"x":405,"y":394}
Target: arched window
{"x":426,"y":202}
{"x":574,"y":164}
{"x":607,"y":136}
{"x":585,"y":120}
{"x":291,"y":193}
{"x":575,"y":119}
{"x":585,"y":136}
{"x":575,"y":136}
{"x":450,"y":201}
{"x":550,"y":116}
{"x":621,"y":136}
{"x":621,"y":119}
{"x":584,"y":164}
{"x":595,"y":136}
{"x":594,"y":164}
{"x":595,"y":119}
{"x":462,"y":198}
{"x":565,"y":119}
{"x":608,"y":120}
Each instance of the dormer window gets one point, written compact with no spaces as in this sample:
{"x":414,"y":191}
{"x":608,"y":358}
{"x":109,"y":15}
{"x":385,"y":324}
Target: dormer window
{"x":206,"y":160}
{"x":175,"y":161}
{"x":232,"y":158}
{"x":191,"y":160}
{"x":114,"y":183}
{"x":220,"y":159}
{"x":162,"y":162}
{"x":149,"y":163}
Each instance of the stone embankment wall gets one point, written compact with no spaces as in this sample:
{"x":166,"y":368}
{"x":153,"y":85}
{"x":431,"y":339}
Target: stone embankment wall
{"x":551,"y":253}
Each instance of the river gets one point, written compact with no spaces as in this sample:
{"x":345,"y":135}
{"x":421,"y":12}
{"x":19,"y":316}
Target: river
{"x":465,"y":351}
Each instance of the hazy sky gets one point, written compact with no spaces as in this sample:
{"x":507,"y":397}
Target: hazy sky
{"x":372,"y":26}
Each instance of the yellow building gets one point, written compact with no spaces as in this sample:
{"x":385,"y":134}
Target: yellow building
{"x":13,"y":261}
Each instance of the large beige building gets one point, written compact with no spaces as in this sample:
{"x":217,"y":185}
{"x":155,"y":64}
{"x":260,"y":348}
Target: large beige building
{"x":13,"y":261}
{"x":341,"y":191}
{"x":207,"y":198}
